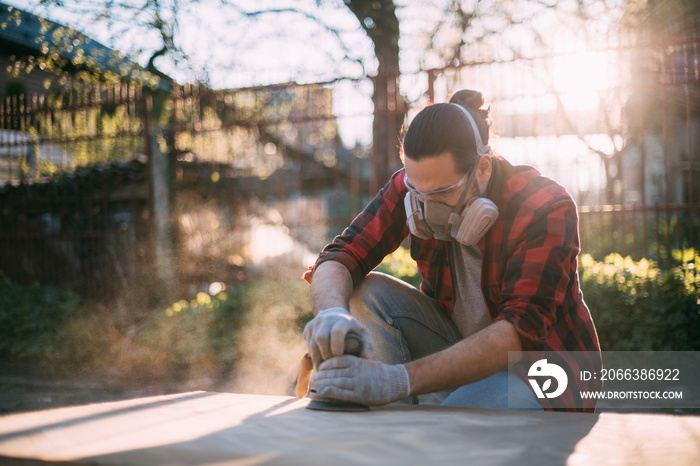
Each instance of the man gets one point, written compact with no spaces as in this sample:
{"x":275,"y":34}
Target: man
{"x":496,"y":247}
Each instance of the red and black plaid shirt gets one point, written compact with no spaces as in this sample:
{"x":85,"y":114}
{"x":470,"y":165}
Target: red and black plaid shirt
{"x":529,"y":271}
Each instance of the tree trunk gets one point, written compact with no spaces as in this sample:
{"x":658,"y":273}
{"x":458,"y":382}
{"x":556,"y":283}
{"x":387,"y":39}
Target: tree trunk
{"x":378,"y":19}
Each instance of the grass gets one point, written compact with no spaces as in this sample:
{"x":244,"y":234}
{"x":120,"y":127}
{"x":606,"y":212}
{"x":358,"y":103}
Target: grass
{"x":246,"y":340}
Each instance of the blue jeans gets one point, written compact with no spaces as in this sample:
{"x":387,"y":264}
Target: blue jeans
{"x":405,"y":325}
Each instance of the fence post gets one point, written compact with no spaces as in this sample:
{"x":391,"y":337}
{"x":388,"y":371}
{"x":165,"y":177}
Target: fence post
{"x":160,"y":198}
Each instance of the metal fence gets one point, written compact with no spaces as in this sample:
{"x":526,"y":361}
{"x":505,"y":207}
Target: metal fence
{"x":74,"y":196}
{"x":623,"y":139}
{"x":625,"y":145}
{"x":41,"y":135}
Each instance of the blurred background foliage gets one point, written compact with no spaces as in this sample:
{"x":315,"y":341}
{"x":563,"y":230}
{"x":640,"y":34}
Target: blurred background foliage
{"x":56,"y":332}
{"x":638,"y":306}
{"x":48,"y":327}
{"x":635,"y":304}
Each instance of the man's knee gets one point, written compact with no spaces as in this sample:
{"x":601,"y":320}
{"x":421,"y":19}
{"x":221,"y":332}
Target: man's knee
{"x":375,"y":283}
{"x":374,"y":295}
{"x":366,"y":298}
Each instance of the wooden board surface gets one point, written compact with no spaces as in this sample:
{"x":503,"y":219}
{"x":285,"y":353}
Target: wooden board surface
{"x":223,"y":428}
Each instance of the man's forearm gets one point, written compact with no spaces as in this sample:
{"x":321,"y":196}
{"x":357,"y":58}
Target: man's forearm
{"x":474,"y":358}
{"x":331,"y":286}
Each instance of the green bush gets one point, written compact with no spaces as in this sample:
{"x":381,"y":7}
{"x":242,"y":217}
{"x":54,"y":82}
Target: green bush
{"x":33,"y":318}
{"x":196,"y":334}
{"x":637,"y":306}
{"x":56,"y":332}
{"x":202,"y":337}
{"x":399,"y":264}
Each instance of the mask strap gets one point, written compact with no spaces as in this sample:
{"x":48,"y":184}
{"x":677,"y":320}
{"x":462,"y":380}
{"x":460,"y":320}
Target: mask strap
{"x":481,"y":149}
{"x":456,"y":212}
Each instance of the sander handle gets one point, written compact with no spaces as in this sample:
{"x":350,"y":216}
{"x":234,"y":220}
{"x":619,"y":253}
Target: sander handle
{"x":353,"y":347}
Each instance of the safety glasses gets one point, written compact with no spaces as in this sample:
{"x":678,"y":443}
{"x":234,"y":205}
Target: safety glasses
{"x":439,"y":195}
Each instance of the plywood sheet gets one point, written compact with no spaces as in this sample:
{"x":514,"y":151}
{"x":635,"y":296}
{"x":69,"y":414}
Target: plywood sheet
{"x":222,"y":428}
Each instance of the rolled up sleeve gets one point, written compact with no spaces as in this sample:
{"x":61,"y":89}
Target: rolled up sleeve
{"x":376,"y":232}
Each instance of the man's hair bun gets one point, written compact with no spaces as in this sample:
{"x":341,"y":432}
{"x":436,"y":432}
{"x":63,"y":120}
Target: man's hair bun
{"x":473,"y":101}
{"x":469,"y":99}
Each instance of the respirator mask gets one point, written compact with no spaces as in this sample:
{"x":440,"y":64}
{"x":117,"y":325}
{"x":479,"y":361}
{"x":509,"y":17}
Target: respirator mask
{"x":467,"y":222}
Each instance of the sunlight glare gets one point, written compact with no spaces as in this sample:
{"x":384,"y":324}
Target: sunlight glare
{"x":579,"y":78}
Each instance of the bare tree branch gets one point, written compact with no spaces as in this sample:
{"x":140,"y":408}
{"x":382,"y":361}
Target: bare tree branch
{"x":335,"y":32}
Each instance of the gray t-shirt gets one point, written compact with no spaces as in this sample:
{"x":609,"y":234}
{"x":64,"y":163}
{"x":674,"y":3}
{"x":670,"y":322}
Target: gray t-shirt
{"x":470,"y":313}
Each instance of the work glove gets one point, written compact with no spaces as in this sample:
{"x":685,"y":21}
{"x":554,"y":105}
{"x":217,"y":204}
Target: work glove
{"x":349,"y":378}
{"x":325,"y":335}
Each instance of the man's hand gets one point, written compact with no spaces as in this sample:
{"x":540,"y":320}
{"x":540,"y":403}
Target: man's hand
{"x":348,"y":378}
{"x":325,"y":335}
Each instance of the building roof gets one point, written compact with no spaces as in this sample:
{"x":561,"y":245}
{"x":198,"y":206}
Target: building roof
{"x":24,"y":33}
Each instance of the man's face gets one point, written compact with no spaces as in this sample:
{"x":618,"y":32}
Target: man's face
{"x":438,"y":177}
